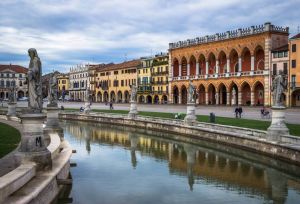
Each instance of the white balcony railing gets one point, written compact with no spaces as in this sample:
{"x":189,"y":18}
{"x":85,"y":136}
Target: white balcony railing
{"x":221,"y":75}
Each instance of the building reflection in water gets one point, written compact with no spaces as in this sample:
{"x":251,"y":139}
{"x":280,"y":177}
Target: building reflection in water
{"x":205,"y":162}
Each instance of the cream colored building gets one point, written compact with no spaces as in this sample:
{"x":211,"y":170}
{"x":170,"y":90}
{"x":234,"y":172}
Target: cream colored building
{"x":13,"y":76}
{"x":79,"y":81}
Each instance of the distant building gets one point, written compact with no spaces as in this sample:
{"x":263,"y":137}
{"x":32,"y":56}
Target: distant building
{"x":228,"y":68}
{"x":79,"y":82}
{"x":63,"y":84}
{"x":114,"y":80}
{"x":144,"y":80}
{"x":280,"y":65}
{"x":160,"y":77}
{"x":294,"y":73}
{"x":45,"y":83}
{"x":13,"y":76}
{"x":153,"y":79}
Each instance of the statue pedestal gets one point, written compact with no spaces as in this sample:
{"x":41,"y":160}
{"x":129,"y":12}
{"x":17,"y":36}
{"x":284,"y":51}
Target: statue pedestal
{"x":133,"y":110}
{"x":32,"y":146}
{"x":87,"y":107}
{"x":190,"y":117}
{"x":52,"y":124}
{"x":11,"y":111}
{"x":277,"y":127}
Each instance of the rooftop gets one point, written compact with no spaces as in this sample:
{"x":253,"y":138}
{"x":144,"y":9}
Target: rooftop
{"x":282,"y":48}
{"x":123,"y":65}
{"x":14,"y":68}
{"x":295,"y":36}
{"x":241,"y":32}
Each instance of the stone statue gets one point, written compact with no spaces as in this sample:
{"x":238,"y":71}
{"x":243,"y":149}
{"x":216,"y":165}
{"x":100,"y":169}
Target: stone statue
{"x":52,"y":95}
{"x":133,"y":97}
{"x":233,"y":96}
{"x":88,"y":95}
{"x":35,"y":101}
{"x":192,"y":93}
{"x":12,"y":95}
{"x":278,"y":87}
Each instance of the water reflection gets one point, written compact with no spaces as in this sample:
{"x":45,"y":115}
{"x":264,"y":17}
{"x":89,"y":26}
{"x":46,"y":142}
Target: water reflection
{"x":205,"y":165}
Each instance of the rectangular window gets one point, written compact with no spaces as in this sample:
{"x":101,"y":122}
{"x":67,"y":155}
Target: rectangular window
{"x":294,"y":48}
{"x":122,"y":82}
{"x":293,"y":63}
{"x":275,"y":55}
{"x":116,"y":72}
{"x":293,"y":81}
{"x":274,"y":69}
{"x":285,"y":68}
{"x":285,"y":53}
{"x":280,"y":54}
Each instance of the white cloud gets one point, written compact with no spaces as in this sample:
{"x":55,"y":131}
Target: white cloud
{"x":61,"y":30}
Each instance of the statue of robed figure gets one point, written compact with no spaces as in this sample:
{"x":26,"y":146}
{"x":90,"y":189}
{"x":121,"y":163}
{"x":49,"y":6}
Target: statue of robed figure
{"x":35,"y":101}
{"x":192,"y":93}
{"x":12,"y":95}
{"x":133,"y":97}
{"x":278,"y":87}
{"x":52,"y":95}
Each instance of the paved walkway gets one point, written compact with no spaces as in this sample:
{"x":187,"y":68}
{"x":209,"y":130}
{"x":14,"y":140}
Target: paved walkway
{"x":292,"y":115}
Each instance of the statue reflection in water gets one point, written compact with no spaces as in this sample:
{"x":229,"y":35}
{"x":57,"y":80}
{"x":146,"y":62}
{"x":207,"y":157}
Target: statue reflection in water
{"x":133,"y":145}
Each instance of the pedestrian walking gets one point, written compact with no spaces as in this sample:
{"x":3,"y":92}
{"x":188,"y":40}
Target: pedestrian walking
{"x":111,"y":105}
{"x":236,"y":112}
{"x":240,"y":111}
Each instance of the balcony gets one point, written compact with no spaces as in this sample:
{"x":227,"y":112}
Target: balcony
{"x":159,"y":73}
{"x":160,"y":83}
{"x":221,"y":75}
{"x":294,"y":85}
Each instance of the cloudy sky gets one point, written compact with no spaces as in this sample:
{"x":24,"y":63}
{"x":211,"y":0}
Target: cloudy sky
{"x":70,"y":32}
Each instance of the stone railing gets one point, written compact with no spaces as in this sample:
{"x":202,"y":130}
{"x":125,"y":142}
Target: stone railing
{"x":223,"y":75}
{"x":267,"y":27}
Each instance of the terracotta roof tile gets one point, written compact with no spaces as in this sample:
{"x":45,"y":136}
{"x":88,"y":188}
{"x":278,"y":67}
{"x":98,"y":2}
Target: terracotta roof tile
{"x":123,"y":65}
{"x":281,"y":48}
{"x":15,"y":68}
{"x":296,"y":36}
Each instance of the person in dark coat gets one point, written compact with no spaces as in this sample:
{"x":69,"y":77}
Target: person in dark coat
{"x":240,"y":110}
{"x":236,"y":112}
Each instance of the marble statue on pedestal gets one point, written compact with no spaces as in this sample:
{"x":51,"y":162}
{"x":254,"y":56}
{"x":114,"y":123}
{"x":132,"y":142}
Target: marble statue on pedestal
{"x":192,"y":93}
{"x":278,"y":87}
{"x":133,"y":98}
{"x":12,"y":95}
{"x":35,"y":101}
{"x":133,"y":93}
{"x":191,"y":105}
{"x":52,"y":95}
{"x":278,"y":127}
{"x":33,"y":147}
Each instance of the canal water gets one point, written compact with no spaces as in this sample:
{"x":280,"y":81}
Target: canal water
{"x":117,"y":164}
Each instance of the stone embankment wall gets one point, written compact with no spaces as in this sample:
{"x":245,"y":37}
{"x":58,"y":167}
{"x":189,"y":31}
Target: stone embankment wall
{"x":253,"y":140}
{"x":25,"y":184}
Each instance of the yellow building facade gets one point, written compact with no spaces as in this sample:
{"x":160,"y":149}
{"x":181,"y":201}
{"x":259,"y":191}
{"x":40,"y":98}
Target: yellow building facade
{"x":160,"y":75}
{"x":63,"y":83}
{"x":114,"y":80}
{"x":294,"y":71}
{"x":144,"y":80}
